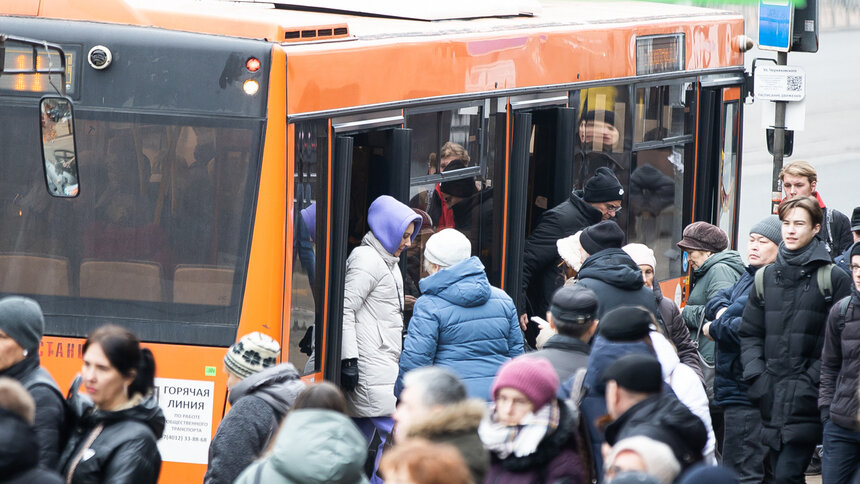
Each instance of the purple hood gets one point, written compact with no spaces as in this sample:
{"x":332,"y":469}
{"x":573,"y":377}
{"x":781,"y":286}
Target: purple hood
{"x":388,"y":220}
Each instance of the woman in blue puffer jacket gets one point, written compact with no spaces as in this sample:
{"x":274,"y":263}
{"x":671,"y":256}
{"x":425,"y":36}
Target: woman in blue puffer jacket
{"x":460,"y":321}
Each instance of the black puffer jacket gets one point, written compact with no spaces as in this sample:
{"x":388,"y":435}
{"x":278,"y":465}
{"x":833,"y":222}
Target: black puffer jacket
{"x":617,"y":281}
{"x":258,"y":404}
{"x":840,"y":363}
{"x":124,"y":451}
{"x":663,"y":418}
{"x":19,"y":456}
{"x":676,"y":330}
{"x":541,"y":272}
{"x":50,"y":408}
{"x":781,"y":341}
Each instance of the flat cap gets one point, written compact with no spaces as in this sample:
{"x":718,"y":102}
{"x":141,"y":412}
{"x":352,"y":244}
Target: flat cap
{"x":636,"y":373}
{"x":574,"y":304}
{"x":626,"y":323}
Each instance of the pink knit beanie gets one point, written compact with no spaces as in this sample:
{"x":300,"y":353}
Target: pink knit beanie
{"x":534,"y":376}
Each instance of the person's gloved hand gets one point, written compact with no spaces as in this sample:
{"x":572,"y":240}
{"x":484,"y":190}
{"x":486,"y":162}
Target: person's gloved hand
{"x":825,"y":414}
{"x":349,"y":374}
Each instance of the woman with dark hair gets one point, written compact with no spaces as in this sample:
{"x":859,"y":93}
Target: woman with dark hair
{"x":322,"y":395}
{"x":119,"y":420}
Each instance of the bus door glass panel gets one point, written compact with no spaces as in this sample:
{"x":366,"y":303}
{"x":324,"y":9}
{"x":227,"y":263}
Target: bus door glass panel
{"x":660,"y":177}
{"x":309,"y":239}
{"x":159,"y":231}
{"x":728,"y":188}
{"x":456,"y":171}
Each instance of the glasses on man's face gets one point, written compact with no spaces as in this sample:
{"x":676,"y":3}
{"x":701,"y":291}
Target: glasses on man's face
{"x":855,"y":269}
{"x":613,"y":208}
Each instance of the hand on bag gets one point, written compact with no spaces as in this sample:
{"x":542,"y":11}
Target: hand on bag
{"x":349,"y":374}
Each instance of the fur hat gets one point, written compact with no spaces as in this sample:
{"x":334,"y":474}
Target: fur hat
{"x":21,"y":319}
{"x":770,"y":227}
{"x":704,"y":236}
{"x":253,"y":353}
{"x":534,"y":376}
{"x":602,"y":235}
{"x":603,"y":187}
{"x":568,"y":249}
{"x":447,"y":248}
{"x":641,"y":254}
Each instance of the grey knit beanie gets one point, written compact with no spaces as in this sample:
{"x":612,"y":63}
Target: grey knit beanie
{"x":21,"y":319}
{"x":770,"y":227}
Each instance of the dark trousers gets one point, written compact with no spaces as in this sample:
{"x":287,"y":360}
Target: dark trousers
{"x":790,"y":462}
{"x":743,"y":450}
{"x":841,"y":454}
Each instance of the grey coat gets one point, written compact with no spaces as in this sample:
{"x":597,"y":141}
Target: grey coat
{"x":258,"y":404}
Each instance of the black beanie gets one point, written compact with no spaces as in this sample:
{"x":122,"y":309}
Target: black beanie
{"x":637,"y":373}
{"x":855,"y":250}
{"x":602,"y":235}
{"x":627,"y":323}
{"x":463,"y":188}
{"x":21,"y":319}
{"x":602,"y":187}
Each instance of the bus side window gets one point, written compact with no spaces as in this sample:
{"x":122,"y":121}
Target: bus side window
{"x":309,"y":242}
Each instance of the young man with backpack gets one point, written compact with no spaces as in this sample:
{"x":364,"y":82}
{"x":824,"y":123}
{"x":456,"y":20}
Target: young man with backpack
{"x":837,"y":398}
{"x":799,"y":179}
{"x":782,"y":334}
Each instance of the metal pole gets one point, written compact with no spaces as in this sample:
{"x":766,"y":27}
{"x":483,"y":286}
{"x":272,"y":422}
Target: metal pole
{"x":778,"y":141}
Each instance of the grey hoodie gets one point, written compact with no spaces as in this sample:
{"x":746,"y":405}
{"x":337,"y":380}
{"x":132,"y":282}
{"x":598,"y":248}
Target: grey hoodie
{"x":259,"y":403}
{"x":313,"y":447}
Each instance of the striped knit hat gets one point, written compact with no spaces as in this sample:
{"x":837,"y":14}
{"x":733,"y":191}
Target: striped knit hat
{"x":253,"y":353}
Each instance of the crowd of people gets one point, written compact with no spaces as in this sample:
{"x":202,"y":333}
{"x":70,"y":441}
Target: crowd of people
{"x":619,"y":385}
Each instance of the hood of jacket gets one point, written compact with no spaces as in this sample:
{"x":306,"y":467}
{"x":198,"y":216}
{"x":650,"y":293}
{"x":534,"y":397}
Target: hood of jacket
{"x":317,"y":446}
{"x":278,"y":386}
{"x":614,"y":267}
{"x":18,"y":448}
{"x":667,"y":355}
{"x":730,"y":258}
{"x":464,"y":284}
{"x":462,"y":417}
{"x":388,"y":219}
{"x":371,"y":241}
{"x":146,"y":412}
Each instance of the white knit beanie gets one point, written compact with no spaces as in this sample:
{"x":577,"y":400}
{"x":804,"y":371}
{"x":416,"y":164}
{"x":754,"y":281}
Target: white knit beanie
{"x":253,"y":353}
{"x":447,"y":248}
{"x":641,"y":255}
{"x":568,"y":249}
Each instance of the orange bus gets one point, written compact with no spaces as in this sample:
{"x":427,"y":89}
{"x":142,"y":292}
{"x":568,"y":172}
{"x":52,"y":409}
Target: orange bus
{"x":222,"y":156}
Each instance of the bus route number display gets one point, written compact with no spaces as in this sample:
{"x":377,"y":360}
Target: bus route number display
{"x":187,"y":407}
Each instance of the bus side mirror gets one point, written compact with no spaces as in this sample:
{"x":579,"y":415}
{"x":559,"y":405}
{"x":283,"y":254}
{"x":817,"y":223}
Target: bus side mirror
{"x":58,"y":146}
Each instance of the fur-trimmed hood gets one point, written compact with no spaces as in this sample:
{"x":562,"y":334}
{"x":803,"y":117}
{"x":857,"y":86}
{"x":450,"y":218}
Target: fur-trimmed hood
{"x":459,"y":418}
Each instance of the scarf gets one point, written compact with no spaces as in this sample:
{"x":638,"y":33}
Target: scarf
{"x":518,"y":440}
{"x":799,"y":257}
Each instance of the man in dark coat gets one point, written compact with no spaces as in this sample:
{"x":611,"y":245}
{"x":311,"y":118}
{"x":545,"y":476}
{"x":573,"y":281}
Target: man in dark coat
{"x":573,"y":315}
{"x":599,"y":200}
{"x":844,"y":260}
{"x":743,"y":450}
{"x":19,"y":456}
{"x":636,"y":401}
{"x":837,"y":398}
{"x":610,"y":272}
{"x":782,"y":334}
{"x":433,"y":406}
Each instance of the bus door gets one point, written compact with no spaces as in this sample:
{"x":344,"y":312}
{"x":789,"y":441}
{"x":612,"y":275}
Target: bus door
{"x":717,"y":181}
{"x":541,"y":171}
{"x":370,"y":159}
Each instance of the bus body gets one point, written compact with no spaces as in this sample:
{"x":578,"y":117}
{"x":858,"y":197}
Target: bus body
{"x":229,"y":151}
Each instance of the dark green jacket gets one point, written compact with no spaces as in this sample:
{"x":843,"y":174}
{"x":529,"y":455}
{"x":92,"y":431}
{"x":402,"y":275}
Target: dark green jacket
{"x":720,"y":271}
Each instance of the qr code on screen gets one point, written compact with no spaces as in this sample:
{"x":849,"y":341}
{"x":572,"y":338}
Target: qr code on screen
{"x":795,"y":83}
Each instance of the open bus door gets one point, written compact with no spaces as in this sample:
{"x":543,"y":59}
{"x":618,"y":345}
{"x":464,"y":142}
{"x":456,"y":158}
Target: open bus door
{"x":367,"y":162}
{"x":542,"y":173}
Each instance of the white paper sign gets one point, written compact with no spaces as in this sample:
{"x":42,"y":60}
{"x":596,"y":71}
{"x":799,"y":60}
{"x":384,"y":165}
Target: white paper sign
{"x":187,"y":407}
{"x":779,"y":83}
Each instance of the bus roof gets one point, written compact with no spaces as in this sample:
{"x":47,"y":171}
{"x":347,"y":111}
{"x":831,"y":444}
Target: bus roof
{"x":293,"y":22}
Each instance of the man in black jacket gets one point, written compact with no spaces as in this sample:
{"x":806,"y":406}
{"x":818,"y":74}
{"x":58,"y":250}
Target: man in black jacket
{"x":837,"y":399}
{"x":638,"y":405}
{"x":600,"y":200}
{"x":573,"y":315}
{"x":610,"y":272}
{"x":782,"y":334}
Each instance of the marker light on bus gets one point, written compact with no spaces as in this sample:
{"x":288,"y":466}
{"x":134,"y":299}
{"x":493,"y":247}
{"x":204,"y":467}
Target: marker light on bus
{"x":253,"y":64}
{"x":251,"y":87}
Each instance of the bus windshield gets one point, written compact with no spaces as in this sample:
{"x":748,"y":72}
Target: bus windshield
{"x":159,"y":233}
